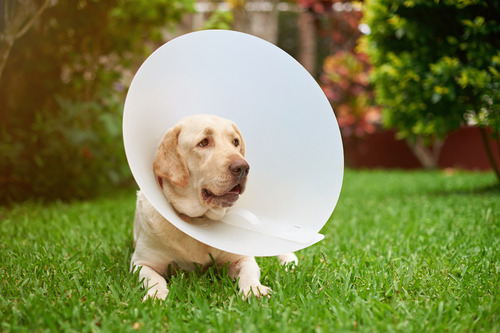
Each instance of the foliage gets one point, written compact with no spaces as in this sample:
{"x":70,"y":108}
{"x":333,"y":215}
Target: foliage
{"x":219,"y":20}
{"x":403,"y":252}
{"x":344,"y":76}
{"x":436,"y":64}
{"x":346,"y":84}
{"x":62,"y":92}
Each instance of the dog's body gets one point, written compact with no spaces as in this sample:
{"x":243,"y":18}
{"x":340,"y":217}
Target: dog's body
{"x":201,"y":168}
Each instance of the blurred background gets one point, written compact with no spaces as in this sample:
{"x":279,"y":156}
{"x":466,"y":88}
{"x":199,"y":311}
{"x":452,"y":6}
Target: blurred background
{"x":414,"y":84}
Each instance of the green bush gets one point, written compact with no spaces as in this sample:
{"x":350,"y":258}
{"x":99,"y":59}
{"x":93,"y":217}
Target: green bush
{"x":436,"y":64}
{"x":62,"y":94}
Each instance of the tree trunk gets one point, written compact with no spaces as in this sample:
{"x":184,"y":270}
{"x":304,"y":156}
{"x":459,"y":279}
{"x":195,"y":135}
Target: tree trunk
{"x":307,"y":41}
{"x":241,"y":17}
{"x":486,"y":143}
{"x":428,"y":157}
{"x":498,"y":141}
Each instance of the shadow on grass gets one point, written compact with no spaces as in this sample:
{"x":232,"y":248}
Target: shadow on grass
{"x":487,"y":190}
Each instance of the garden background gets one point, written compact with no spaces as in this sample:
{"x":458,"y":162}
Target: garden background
{"x":422,"y":72}
{"x":415,"y":85}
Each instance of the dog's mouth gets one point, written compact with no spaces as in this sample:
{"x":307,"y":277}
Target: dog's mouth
{"x":225,"y":200}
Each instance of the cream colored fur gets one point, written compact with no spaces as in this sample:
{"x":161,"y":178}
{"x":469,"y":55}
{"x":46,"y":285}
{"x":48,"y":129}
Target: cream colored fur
{"x":201,"y":165}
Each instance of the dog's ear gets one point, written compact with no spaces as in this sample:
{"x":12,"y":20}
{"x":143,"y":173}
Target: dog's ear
{"x":242,"y":142}
{"x":168,"y":162}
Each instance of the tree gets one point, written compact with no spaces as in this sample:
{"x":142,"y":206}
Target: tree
{"x":62,"y":93}
{"x":436,"y":67}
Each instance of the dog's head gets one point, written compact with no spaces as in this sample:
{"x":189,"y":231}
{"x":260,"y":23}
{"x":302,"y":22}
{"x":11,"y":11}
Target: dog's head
{"x":201,"y":167}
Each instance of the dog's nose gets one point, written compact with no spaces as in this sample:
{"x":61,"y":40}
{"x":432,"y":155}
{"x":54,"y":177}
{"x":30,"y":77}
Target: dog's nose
{"x":239,"y":167}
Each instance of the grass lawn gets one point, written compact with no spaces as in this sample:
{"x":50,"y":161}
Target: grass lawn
{"x":404,"y":251}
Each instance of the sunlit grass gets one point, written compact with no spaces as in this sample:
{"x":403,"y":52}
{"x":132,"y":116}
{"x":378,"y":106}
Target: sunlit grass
{"x":404,"y":251}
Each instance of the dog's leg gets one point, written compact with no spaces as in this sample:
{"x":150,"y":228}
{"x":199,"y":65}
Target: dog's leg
{"x":155,"y":284}
{"x":247,"y":272}
{"x":288,"y":260}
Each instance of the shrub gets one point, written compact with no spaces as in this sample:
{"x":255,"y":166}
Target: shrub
{"x":436,"y":65}
{"x":346,"y":84}
{"x":62,"y":91}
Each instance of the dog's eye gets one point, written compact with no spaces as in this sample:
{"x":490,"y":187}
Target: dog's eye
{"x":236,"y":142}
{"x":203,"y":143}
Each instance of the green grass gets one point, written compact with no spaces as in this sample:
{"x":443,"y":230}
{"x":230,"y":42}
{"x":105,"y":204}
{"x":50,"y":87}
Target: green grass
{"x":404,"y":251}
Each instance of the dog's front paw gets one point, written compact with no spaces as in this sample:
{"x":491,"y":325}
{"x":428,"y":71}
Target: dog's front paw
{"x":256,"y":291}
{"x":155,"y":293}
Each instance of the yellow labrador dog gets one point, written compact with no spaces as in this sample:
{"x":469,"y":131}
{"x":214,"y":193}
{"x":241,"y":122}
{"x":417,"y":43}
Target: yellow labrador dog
{"x":201,"y":168}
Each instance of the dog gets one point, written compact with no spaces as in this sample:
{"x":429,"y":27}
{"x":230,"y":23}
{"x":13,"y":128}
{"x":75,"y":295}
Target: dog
{"x":201,"y":169}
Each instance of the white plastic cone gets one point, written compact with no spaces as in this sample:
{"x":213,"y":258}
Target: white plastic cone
{"x":293,"y":142}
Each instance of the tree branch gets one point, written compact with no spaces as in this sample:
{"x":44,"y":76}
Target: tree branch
{"x":28,"y":25}
{"x":493,"y":163}
{"x":14,"y":27}
{"x":5,"y":12}
{"x":498,"y":142}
